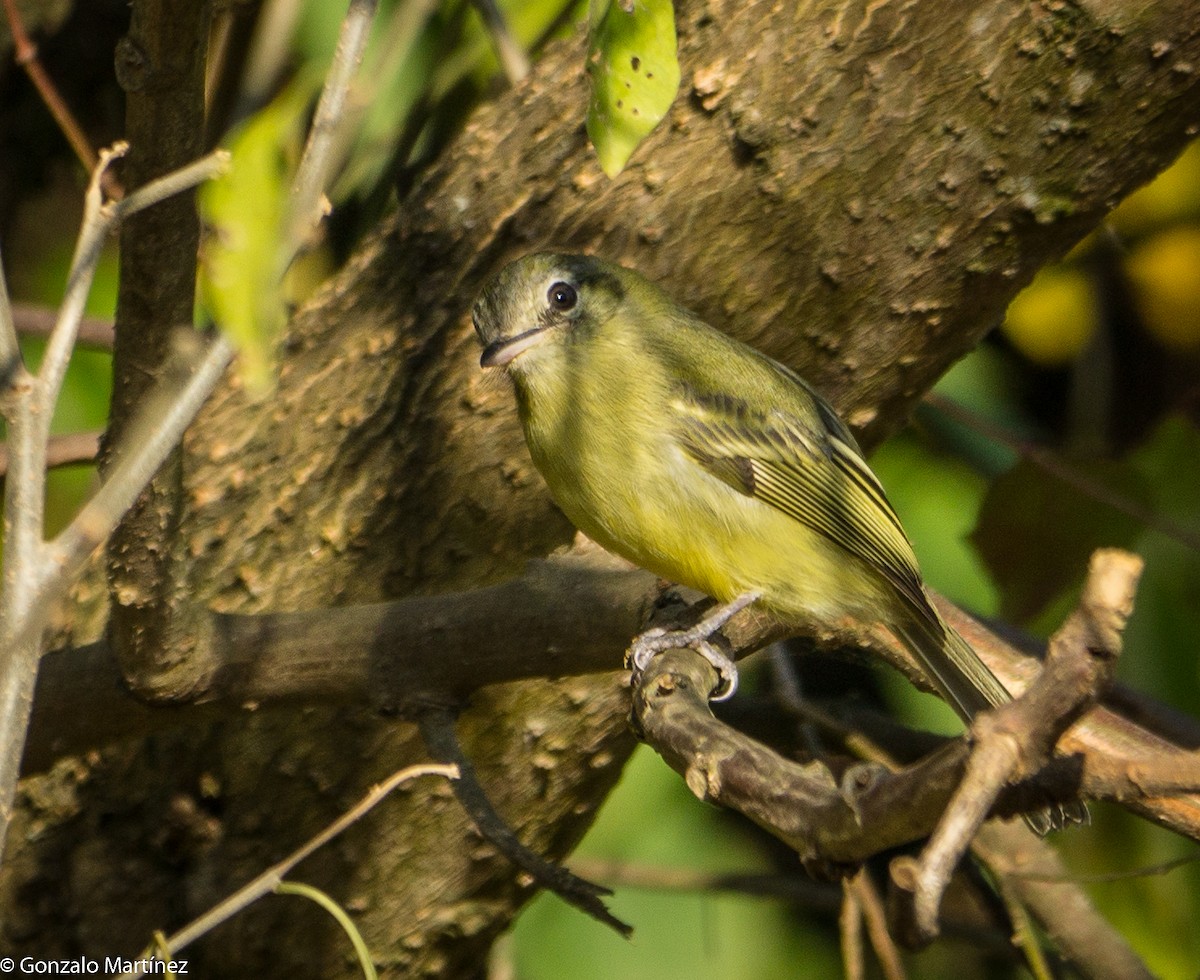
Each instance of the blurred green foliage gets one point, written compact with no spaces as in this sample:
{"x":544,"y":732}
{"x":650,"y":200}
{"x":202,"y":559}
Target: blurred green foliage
{"x":652,"y":821}
{"x":245,"y":249}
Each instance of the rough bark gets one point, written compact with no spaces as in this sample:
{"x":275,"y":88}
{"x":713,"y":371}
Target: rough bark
{"x":859,"y":189}
{"x":160,"y":65}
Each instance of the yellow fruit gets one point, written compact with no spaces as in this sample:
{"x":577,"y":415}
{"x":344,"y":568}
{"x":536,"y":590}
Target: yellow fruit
{"x":1164,"y":273}
{"x":1054,"y":317}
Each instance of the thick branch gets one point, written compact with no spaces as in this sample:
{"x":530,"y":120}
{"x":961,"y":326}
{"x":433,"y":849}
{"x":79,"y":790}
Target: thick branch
{"x":827,"y":822}
{"x":571,"y":614}
{"x":568,"y":615}
{"x":160,"y":65}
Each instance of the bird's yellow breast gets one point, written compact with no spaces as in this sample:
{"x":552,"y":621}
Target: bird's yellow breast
{"x":623,"y":478}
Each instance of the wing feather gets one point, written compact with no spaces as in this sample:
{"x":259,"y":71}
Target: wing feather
{"x":818,"y":478}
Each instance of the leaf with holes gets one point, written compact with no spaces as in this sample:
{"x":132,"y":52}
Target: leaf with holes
{"x":634,"y":74}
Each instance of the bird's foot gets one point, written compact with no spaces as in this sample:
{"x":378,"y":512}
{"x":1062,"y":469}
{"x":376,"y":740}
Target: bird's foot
{"x":654,"y":641}
{"x":1058,"y":816}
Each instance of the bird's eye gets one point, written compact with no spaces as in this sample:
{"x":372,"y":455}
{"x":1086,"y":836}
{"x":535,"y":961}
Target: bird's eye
{"x":562,"y":297}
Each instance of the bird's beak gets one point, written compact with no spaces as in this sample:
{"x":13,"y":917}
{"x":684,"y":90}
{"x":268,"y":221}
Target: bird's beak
{"x":500,"y":352}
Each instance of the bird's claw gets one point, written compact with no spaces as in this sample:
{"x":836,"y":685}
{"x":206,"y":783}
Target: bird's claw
{"x":657,"y":639}
{"x":654,"y":641}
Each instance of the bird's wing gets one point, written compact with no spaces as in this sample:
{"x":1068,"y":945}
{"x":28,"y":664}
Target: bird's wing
{"x":816,"y":476}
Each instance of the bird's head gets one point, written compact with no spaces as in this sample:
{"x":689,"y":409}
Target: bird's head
{"x":537,"y":309}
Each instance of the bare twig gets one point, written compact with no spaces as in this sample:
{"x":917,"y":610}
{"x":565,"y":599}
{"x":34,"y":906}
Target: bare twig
{"x":64,"y":450}
{"x":26,"y":55}
{"x":829,"y":822}
{"x":267,"y":882}
{"x":513,"y":59}
{"x":438,"y":731}
{"x":156,"y":431}
{"x":37,"y":573}
{"x":850,"y":932}
{"x":186,"y":177}
{"x":38,"y":321}
{"x":10,"y":349}
{"x":99,"y":219}
{"x":1017,"y":739}
{"x":1024,"y":933}
{"x":1053,"y":897}
{"x":319,"y":160}
{"x":875,"y":918}
{"x":29,"y":409}
{"x":96,"y":225}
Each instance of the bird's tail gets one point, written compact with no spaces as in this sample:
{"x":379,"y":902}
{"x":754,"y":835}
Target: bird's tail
{"x":970,"y":687}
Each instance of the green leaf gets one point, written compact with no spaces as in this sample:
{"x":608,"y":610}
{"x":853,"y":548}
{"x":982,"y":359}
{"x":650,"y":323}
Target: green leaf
{"x":634,"y":72}
{"x":1035,"y":532}
{"x":243,"y":258}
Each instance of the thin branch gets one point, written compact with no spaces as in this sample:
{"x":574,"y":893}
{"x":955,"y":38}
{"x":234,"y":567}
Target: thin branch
{"x":65,"y":450}
{"x":1018,"y":738}
{"x":875,"y":918}
{"x":512,"y":56}
{"x":1053,"y":897}
{"x":156,"y":430}
{"x":24,"y":500}
{"x":268,"y":57}
{"x":1025,"y":935}
{"x":185,"y":178}
{"x":269,"y":880}
{"x":318,"y":159}
{"x":821,"y":896}
{"x":10,"y":350}
{"x":38,"y":321}
{"x":798,"y":889}
{"x":29,"y":413}
{"x":36,"y":573}
{"x":850,"y":932}
{"x":26,"y":55}
{"x":92,"y":234}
